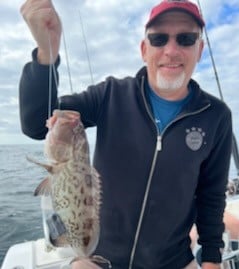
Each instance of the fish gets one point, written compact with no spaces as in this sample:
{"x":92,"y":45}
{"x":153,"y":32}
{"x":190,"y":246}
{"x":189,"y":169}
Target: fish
{"x":73,"y":184}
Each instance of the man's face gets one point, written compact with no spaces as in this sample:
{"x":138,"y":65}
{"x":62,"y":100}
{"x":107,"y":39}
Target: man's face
{"x":170,"y":66}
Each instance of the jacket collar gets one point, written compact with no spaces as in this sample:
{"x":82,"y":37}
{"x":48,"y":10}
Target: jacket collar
{"x":199,"y":101}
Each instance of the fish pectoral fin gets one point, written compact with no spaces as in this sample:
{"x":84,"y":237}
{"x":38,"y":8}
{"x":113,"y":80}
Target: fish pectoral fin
{"x":44,"y":188}
{"x":48,"y":167}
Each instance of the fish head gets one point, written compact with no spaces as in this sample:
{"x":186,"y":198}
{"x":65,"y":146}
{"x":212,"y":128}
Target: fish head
{"x":64,"y":128}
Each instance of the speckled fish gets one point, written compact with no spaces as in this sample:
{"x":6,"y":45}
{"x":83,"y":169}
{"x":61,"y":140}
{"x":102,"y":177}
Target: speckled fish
{"x":74,"y":185}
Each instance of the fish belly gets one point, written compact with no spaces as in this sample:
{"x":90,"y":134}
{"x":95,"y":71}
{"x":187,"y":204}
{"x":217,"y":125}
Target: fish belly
{"x":76,"y":199}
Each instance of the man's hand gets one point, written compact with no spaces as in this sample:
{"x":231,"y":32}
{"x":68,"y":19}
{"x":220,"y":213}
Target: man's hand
{"x":209,"y":265}
{"x":44,"y":23}
{"x":84,"y":264}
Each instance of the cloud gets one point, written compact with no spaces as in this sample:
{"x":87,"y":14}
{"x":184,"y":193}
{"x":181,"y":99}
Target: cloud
{"x":113,"y":33}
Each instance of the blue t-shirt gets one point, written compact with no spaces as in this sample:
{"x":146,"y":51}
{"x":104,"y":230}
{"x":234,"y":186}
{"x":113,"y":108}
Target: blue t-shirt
{"x":164,"y":110}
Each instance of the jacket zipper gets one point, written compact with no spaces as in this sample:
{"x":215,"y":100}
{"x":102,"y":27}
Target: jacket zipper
{"x":157,"y":149}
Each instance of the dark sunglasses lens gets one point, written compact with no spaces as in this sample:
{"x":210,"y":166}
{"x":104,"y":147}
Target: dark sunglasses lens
{"x":187,"y":39}
{"x":158,"y":40}
{"x":183,"y":39}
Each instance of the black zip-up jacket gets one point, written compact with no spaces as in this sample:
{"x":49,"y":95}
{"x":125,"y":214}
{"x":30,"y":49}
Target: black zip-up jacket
{"x":183,"y":170}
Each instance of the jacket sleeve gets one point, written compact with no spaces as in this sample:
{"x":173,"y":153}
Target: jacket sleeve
{"x":210,"y":196}
{"x":34,"y":97}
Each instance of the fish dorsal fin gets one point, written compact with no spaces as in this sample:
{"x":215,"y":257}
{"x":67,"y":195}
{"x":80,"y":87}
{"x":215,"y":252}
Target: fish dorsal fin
{"x":44,"y":188}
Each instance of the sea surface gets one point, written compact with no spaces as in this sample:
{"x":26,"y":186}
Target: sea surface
{"x":20,"y":212}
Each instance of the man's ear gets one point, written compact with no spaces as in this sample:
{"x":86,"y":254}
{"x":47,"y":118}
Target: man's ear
{"x":201,"y":46}
{"x":143,"y":50}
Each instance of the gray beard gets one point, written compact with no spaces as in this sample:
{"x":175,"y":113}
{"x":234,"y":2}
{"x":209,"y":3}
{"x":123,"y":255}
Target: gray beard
{"x":170,"y":85}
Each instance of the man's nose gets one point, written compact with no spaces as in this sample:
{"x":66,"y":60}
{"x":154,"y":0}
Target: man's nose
{"x":172,"y":47}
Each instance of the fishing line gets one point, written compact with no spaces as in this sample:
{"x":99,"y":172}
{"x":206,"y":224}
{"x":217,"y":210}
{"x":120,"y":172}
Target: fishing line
{"x":212,"y":58}
{"x":235,"y":151}
{"x":50,"y":76}
{"x":53,"y":72}
{"x":86,"y":49}
{"x":52,"y":68}
{"x":67,"y":60}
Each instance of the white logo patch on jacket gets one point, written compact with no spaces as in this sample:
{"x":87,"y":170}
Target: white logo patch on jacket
{"x":194,"y":138}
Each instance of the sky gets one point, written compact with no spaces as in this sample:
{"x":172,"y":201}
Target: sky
{"x":113,"y":33}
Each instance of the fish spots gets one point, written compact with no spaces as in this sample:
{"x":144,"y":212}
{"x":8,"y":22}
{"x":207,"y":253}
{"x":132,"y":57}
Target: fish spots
{"x":88,"y":201}
{"x":73,"y":225}
{"x":84,"y":147}
{"x":77,"y":200}
{"x":82,"y":190}
{"x":63,"y":202}
{"x":76,"y":182}
{"x":70,"y":191}
{"x":88,"y":181}
{"x":88,"y":224}
{"x":86,"y":240}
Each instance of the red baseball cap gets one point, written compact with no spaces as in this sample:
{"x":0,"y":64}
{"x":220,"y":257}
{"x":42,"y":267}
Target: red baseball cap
{"x":180,"y":5}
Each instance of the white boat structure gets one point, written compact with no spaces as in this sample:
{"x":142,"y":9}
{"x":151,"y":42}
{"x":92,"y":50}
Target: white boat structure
{"x":34,"y":255}
{"x":40,"y":254}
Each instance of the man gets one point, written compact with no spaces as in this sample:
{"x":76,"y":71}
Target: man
{"x":163,"y":144}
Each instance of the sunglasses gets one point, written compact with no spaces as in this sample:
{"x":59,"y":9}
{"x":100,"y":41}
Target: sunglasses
{"x":183,"y":39}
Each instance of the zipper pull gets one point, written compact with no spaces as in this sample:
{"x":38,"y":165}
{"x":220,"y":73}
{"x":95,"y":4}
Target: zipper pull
{"x":159,"y":143}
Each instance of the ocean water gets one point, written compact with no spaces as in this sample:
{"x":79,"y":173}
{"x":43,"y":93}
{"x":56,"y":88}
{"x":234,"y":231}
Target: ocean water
{"x":20,"y":212}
